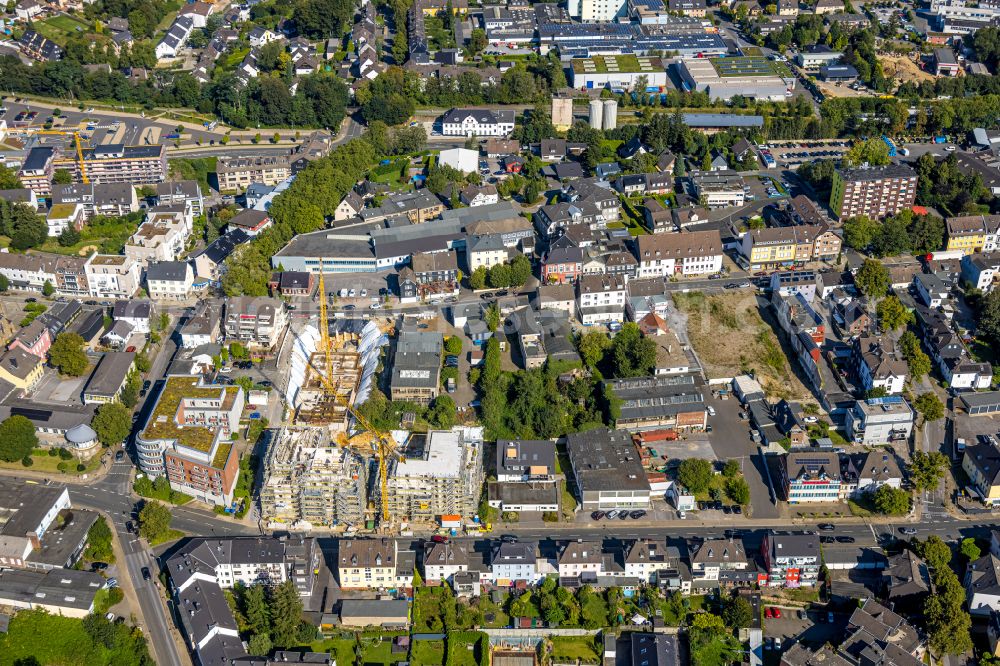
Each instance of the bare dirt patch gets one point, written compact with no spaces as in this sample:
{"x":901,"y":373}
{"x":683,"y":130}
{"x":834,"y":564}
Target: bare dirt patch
{"x":903,"y":69}
{"x":730,"y":338}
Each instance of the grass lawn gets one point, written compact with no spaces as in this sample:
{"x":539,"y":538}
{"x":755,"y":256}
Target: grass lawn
{"x":437,"y":36}
{"x":194,"y":169}
{"x":803,"y":594}
{"x":571,"y":648}
{"x":428,"y":607}
{"x":595,"y":607}
{"x":462,"y":646}
{"x":342,"y":649}
{"x":58,"y":28}
{"x":169,"y":535}
{"x":427,"y":652}
{"x":43,"y":462}
{"x":163,"y":494}
{"x":36,"y":637}
{"x":376,"y":651}
{"x":171,"y":7}
{"x":104,"y":234}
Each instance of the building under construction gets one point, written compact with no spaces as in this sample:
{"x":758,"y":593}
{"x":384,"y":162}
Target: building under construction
{"x":440,"y":473}
{"x":317,"y":403}
{"x":308,"y":478}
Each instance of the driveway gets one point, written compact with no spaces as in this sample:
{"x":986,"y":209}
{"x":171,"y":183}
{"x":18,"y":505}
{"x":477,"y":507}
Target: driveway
{"x":730,"y":439}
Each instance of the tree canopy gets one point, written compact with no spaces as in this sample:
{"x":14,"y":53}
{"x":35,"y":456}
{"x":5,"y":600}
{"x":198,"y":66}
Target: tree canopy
{"x":17,"y":438}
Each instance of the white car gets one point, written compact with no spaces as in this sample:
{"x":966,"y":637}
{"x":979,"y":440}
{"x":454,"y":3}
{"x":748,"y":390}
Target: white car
{"x":950,"y":149}
{"x":810,"y":419}
{"x":711,"y":410}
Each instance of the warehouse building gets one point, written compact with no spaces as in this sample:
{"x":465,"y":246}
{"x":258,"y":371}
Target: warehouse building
{"x":607,"y":470}
{"x":749,"y":76}
{"x":976,"y":404}
{"x":617,"y":72}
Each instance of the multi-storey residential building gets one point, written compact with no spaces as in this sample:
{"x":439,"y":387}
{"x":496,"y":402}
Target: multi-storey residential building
{"x":161,"y":237}
{"x":589,"y":11}
{"x":416,"y":207}
{"x":791,"y":560}
{"x":184,"y":192}
{"x":443,"y":560}
{"x":601,"y":299}
{"x":203,"y":327}
{"x":643,"y":558}
{"x":186,"y":438}
{"x":877,"y":192}
{"x":443,"y":477}
{"x":116,"y":163}
{"x":203,"y":568}
{"x":169,"y":280}
{"x":485,"y":251}
{"x":478,"y":122}
{"x":110,"y":199}
{"x":511,"y":562}
{"x":981,"y":269}
{"x":136,"y":312}
{"x":35,"y":338}
{"x":256,"y":322}
{"x":718,"y":560}
{"x":782,"y":247}
{"x":580,"y":559}
{"x":878,"y":365}
{"x":367,"y":564}
{"x":64,"y":216}
{"x":21,"y":369}
{"x":973,"y":233}
{"x":236,"y":173}
{"x":37,"y":170}
{"x":879,"y":420}
{"x":562,"y":261}
{"x":416,"y":367}
{"x":981,"y":463}
{"x":687,"y":253}
{"x":607,"y":470}
{"x":812,"y":476}
{"x":112,"y":276}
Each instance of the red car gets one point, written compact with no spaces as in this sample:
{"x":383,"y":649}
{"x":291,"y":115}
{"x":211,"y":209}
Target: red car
{"x":776,"y":611}
{"x":131,"y":348}
{"x":768,"y":613}
{"x":437,"y":538}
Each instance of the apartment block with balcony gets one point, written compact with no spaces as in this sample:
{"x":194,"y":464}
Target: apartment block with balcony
{"x":877,"y":192}
{"x":601,"y":299}
{"x":113,"y":276}
{"x":812,"y":476}
{"x":236,"y":173}
{"x":879,"y":420}
{"x":161,"y":237}
{"x":791,"y":559}
{"x":187,"y":438}
{"x":256,"y":322}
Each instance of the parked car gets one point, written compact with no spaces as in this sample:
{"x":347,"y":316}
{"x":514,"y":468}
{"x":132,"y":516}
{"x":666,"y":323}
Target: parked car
{"x":438,"y":538}
{"x":612,"y":514}
{"x":908,"y":531}
{"x":119,"y":456}
{"x":845,"y":539}
{"x":597,"y":515}
{"x":637,"y":514}
{"x":827,"y":527}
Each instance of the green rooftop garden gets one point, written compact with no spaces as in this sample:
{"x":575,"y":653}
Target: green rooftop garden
{"x":222,"y":455}
{"x":163,"y":422}
{"x":626,"y":63}
{"x":753,"y":66}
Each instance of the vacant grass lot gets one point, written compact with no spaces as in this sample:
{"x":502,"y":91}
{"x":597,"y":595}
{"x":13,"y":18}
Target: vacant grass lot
{"x":35,"y":637}
{"x":43,"y":462}
{"x":730,"y":338}
{"x":59,"y":27}
{"x":568,"y":649}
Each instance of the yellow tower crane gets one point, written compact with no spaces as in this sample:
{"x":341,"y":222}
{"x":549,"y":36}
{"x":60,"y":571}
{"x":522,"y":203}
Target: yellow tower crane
{"x":381,"y":443}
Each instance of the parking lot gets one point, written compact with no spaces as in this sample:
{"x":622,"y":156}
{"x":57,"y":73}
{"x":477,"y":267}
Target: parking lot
{"x":795,"y":154}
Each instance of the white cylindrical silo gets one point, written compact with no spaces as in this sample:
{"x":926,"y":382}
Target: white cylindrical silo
{"x":596,"y":114}
{"x":609,"y":119}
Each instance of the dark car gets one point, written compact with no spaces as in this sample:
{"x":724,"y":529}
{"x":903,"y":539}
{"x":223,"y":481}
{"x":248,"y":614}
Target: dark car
{"x":120,"y":456}
{"x":597,"y":515}
{"x":31,"y":300}
{"x":845,"y":539}
{"x":827,"y":527}
{"x":508,"y":538}
{"x":350,"y":307}
{"x":623,"y":515}
{"x":727,"y":510}
{"x":827,"y":539}
{"x":266,"y":382}
{"x":145,"y":574}
{"x":637,"y":514}
{"x":129,"y":527}
{"x":146,"y":384}
{"x":98,"y":566}
{"x":737,"y":509}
